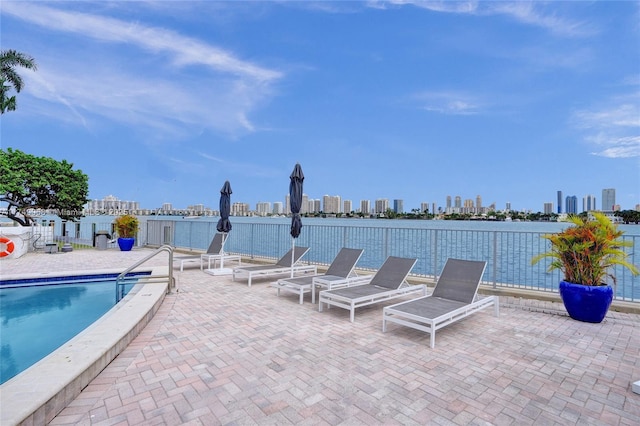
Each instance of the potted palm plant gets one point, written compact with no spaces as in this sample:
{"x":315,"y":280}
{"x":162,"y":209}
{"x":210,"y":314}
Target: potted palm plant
{"x":127,"y":229}
{"x":586,"y":253}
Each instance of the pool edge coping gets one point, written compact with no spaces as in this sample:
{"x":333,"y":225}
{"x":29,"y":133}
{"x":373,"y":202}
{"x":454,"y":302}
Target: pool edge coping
{"x":39,"y":393}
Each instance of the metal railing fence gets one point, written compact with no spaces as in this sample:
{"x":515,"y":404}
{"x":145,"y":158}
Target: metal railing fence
{"x":508,"y":253}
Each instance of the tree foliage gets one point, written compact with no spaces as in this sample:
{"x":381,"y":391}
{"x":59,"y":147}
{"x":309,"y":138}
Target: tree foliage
{"x":629,"y":216}
{"x":127,"y":226}
{"x":587,"y":251}
{"x":9,"y":77}
{"x":28,"y":182}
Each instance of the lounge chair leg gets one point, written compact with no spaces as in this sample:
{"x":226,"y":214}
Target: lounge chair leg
{"x":301,"y":297}
{"x":432,"y":337}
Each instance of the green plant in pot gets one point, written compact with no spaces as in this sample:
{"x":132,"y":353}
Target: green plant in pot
{"x":586,"y":253}
{"x":127,"y":229}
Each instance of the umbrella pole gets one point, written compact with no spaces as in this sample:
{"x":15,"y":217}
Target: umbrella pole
{"x":293,"y":253}
{"x":224,"y":240}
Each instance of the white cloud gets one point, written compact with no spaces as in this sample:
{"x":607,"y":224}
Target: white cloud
{"x":184,"y":50}
{"x":448,"y":103}
{"x":246,"y":169}
{"x":171,"y":96}
{"x":625,"y":147}
{"x":527,"y":12}
{"x":530,"y":13}
{"x":442,"y":6}
{"x":625,"y":115}
{"x":169,"y":107}
{"x":614,"y":129}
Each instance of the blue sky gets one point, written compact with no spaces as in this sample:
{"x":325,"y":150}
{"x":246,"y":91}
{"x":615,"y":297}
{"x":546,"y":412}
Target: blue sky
{"x":163,"y":101}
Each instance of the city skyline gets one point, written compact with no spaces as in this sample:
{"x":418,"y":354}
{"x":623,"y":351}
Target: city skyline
{"x":336,"y":204}
{"x":163,"y":101}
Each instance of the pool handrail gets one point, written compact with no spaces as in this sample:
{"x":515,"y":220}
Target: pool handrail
{"x":172,"y":282}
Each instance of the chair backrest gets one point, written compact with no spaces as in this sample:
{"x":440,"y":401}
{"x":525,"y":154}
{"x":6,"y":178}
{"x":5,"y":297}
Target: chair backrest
{"x":216,"y":244}
{"x":345,"y":261}
{"x":393,"y":272}
{"x":286,"y":259}
{"x":460,"y":280}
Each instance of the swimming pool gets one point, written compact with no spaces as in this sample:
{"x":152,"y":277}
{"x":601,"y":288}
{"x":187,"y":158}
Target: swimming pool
{"x":39,"y":315}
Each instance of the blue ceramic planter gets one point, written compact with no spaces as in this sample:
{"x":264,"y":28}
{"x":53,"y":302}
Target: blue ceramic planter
{"x":584,"y":302}
{"x":126,"y":244}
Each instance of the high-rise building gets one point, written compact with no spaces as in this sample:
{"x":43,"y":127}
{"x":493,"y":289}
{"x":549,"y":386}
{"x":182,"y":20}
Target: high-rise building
{"x":560,"y":202}
{"x":338,"y":203}
{"x":548,"y":208}
{"x":331,"y":204}
{"x":347,"y":207}
{"x":468,"y":206}
{"x":458,"y":202}
{"x":588,"y":203}
{"x":608,"y":199}
{"x":365,"y":207}
{"x":478,"y":204}
{"x":239,"y":209}
{"x":571,"y":204}
{"x":507,"y":207}
{"x":398,"y":206}
{"x":277,"y":207}
{"x":313,"y":206}
{"x":448,"y":201}
{"x":327,"y":206}
{"x":382,"y":205}
{"x":424,"y":207}
{"x":114,"y":206}
{"x":263,"y":208}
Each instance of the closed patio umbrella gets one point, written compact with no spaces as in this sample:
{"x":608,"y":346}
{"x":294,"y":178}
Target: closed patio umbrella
{"x":225,"y":208}
{"x":295,"y":201}
{"x":224,"y":225}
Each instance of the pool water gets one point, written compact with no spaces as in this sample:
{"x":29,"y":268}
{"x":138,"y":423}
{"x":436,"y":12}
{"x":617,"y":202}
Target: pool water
{"x":35,"y":320}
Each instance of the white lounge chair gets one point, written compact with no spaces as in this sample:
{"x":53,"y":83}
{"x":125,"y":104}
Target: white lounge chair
{"x":339,"y":273}
{"x":283,"y":266}
{"x":221,"y":256}
{"x":214,"y":252}
{"x":388,"y":283}
{"x":453,"y":298}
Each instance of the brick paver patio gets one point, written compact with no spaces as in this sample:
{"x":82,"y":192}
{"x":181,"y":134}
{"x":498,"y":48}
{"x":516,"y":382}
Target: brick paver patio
{"x":219,"y":352}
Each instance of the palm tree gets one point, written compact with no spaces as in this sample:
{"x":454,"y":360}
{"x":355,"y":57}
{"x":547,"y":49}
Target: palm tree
{"x":6,"y":103}
{"x":9,"y":60}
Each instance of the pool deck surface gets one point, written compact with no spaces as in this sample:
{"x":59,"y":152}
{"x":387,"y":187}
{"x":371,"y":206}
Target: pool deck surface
{"x":219,"y":352}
